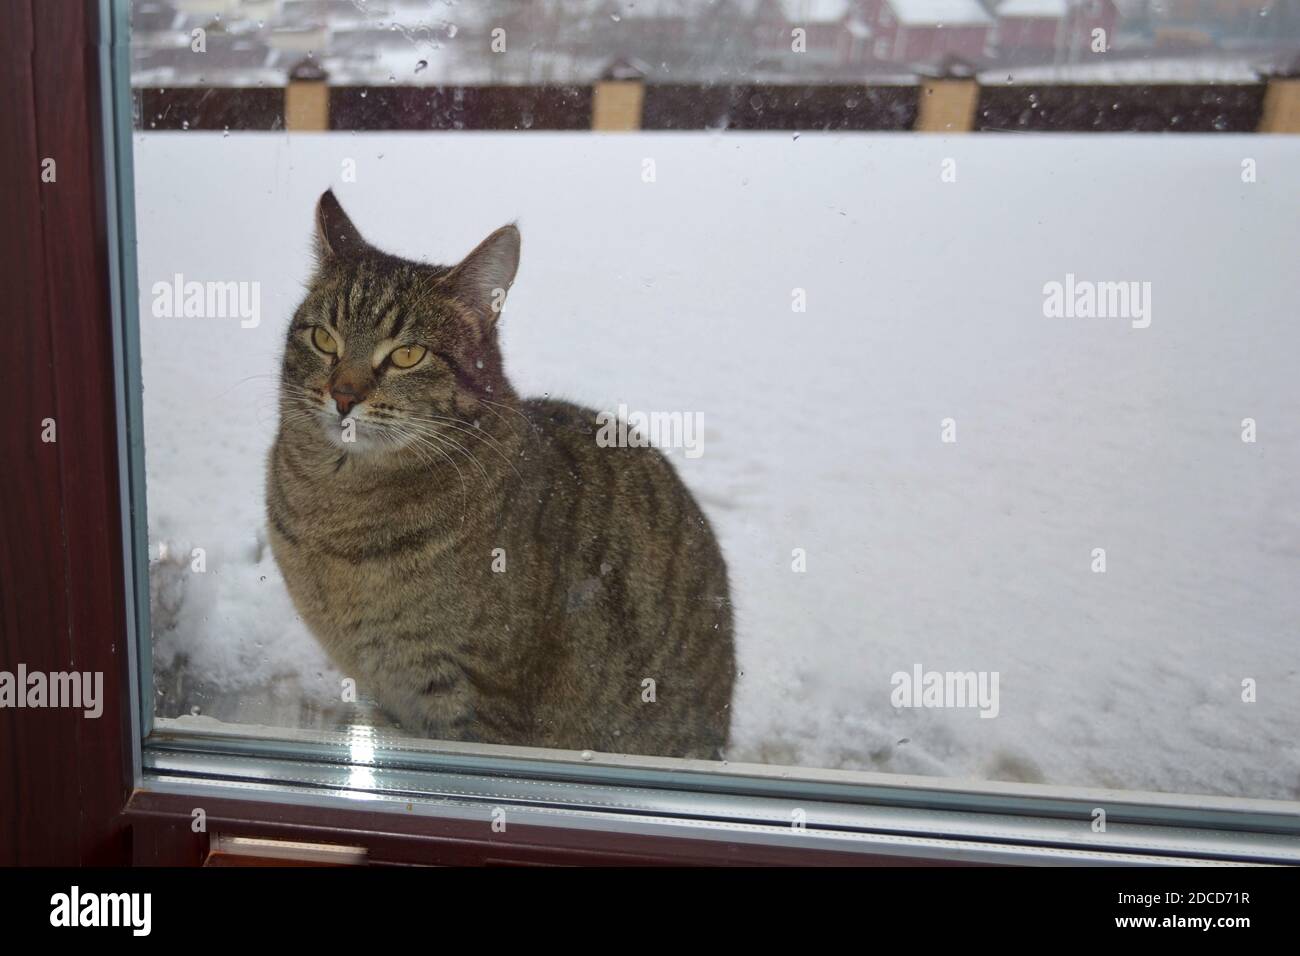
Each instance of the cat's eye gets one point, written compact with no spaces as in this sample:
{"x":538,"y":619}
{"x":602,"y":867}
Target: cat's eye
{"x":324,"y":341}
{"x":407,"y":356}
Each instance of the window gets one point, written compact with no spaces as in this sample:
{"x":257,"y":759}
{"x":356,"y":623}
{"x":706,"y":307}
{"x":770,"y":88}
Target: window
{"x":829,"y":482}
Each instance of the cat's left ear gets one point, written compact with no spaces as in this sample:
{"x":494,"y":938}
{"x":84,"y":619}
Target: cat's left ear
{"x":483,"y":277}
{"x":335,"y":234}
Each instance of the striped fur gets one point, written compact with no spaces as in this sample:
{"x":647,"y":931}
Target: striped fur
{"x":612,"y":576}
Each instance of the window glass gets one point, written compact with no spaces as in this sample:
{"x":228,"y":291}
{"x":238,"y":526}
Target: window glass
{"x":870,"y":385}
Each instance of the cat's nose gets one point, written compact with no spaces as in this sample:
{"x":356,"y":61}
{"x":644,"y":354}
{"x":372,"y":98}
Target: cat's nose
{"x":345,"y":397}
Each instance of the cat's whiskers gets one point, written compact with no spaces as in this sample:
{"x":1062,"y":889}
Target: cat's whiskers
{"x":301,"y":391}
{"x":400,"y":440}
{"x":509,"y":408}
{"x":413,"y":443}
{"x":298,"y":415}
{"x":246,"y":378}
{"x":460,"y":425}
{"x":303,"y":406}
{"x":499,"y":417}
{"x":309,"y":404}
{"x":423,"y":432}
{"x":397,"y":445}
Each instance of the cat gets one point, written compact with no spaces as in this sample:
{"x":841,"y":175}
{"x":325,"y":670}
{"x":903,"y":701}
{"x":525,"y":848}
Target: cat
{"x":475,"y":560}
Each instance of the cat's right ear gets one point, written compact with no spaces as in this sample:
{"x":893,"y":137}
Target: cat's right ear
{"x":335,"y":234}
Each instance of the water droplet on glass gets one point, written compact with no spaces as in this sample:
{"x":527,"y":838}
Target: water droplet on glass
{"x":194,"y":711}
{"x":452,"y":29}
{"x":421,"y":65}
{"x":363,"y":94}
{"x":185,"y":124}
{"x":615,"y":17}
{"x":586,"y":754}
{"x":478,"y":363}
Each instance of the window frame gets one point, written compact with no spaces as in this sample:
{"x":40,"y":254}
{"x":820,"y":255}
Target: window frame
{"x":138,"y":783}
{"x":68,"y":778}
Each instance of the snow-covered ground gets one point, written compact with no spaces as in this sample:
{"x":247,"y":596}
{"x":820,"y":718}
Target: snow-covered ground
{"x":1137,"y":71}
{"x":822,"y":428}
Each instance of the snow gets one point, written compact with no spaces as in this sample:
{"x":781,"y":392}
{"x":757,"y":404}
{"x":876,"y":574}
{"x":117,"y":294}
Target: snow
{"x":1117,"y":72}
{"x":858,"y":29}
{"x":1052,"y":9}
{"x":815,"y":11}
{"x":649,"y":9}
{"x":948,"y":13}
{"x":822,"y":429}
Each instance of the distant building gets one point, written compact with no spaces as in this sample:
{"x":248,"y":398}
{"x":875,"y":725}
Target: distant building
{"x":926,"y":31}
{"x":658,"y":23}
{"x":1194,"y":24}
{"x":1062,"y":28}
{"x":1029,"y":24}
{"x":825,"y":26}
{"x":824,"y":23}
{"x":1083,"y":18}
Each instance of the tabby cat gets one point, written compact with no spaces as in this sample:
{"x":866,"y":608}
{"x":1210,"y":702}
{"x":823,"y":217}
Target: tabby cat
{"x":473,"y":559}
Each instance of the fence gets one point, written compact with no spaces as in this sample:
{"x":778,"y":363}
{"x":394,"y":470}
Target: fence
{"x":942,"y":104}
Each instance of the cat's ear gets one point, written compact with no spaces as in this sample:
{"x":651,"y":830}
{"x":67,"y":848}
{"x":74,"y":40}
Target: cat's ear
{"x":335,"y":234}
{"x":483,"y":277}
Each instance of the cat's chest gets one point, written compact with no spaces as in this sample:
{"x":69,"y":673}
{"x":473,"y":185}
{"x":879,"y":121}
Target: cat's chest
{"x":362,"y":574}
{"x":367,"y":566}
